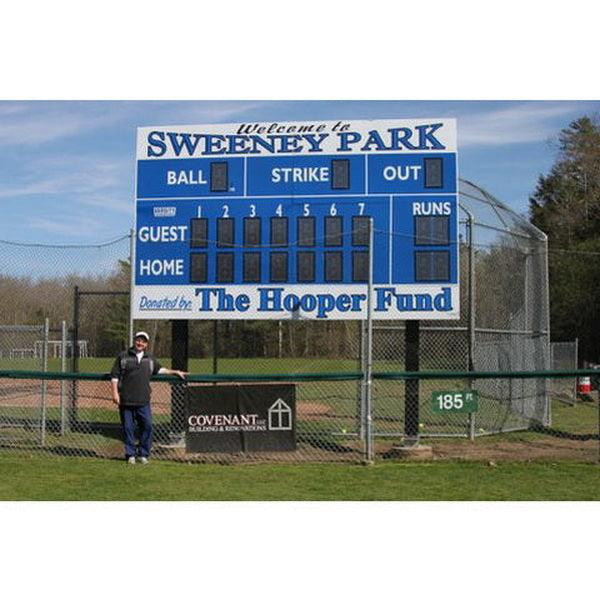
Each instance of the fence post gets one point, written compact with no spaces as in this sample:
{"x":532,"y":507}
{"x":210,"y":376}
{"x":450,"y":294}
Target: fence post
{"x":598,"y":391}
{"x":74,"y":358}
{"x":471,"y":317}
{"x":362,"y":401}
{"x":63,"y":383}
{"x":576,"y":367}
{"x":44,"y":382}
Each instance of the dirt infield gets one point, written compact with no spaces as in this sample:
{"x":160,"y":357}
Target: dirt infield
{"x":550,"y":449}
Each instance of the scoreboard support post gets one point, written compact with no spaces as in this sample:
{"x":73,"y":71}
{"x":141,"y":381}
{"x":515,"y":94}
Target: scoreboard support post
{"x":215,"y":347}
{"x":179,"y":361}
{"x":411,"y":402}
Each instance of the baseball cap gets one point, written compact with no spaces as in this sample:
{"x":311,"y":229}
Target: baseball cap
{"x":142,"y":334}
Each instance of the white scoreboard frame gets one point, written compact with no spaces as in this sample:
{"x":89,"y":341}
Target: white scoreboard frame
{"x":287,"y":170}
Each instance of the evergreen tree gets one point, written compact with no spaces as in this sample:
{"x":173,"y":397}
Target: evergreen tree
{"x":566,"y":206}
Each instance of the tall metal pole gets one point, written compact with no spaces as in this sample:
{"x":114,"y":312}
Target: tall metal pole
{"x":131,"y":281}
{"x":368,"y":373}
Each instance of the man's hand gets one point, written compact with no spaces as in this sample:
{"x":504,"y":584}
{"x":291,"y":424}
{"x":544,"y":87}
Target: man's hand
{"x":116,"y":397}
{"x":165,"y":371}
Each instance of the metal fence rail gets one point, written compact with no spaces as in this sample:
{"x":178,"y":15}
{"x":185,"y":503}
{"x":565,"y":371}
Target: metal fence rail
{"x":71,"y":414}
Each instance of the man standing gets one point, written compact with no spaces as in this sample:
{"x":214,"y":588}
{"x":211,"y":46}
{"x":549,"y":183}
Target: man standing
{"x":130,"y":380}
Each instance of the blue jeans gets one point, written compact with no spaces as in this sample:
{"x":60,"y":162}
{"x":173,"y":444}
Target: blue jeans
{"x":142,"y":417}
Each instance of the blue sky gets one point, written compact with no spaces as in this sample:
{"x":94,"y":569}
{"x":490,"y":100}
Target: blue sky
{"x":67,"y":167}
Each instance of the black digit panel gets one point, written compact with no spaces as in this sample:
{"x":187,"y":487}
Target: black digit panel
{"x":432,"y":266}
{"x":219,"y":177}
{"x":251,"y":267}
{"x":199,"y":233}
{"x":306,"y":231}
{"x":432,"y":230}
{"x":333,"y":266}
{"x":333,"y":231}
{"x":440,"y":230}
{"x":251,"y":232}
{"x":306,"y":266}
{"x":198,"y":268}
{"x":360,"y":230}
{"x":340,"y":174}
{"x":278,"y":267}
{"x":422,"y":231}
{"x":225,"y":267}
{"x":225,"y":232}
{"x":440,"y":266}
{"x":360,"y":266}
{"x":279,"y":231}
{"x":434,"y":172}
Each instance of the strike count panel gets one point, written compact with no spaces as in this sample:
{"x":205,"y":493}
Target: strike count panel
{"x":297,"y":220}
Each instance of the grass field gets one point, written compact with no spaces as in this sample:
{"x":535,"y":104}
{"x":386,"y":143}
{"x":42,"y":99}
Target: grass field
{"x":60,"y":479}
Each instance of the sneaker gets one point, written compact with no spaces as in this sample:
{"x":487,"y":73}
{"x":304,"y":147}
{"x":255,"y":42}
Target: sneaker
{"x":143,"y":460}
{"x":131,"y":460}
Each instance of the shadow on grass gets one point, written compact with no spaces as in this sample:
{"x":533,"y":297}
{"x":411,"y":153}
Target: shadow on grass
{"x":326,"y":444}
{"x":558,"y":433}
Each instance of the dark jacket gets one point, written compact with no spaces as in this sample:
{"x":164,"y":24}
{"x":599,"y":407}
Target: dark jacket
{"x":134,"y":377}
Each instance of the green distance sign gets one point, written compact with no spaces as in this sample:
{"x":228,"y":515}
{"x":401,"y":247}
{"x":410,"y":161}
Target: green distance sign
{"x":454,"y":401}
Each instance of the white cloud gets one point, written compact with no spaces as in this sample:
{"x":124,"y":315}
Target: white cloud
{"x":40,"y":122}
{"x":26,"y":124}
{"x":112,"y":201}
{"x":521,"y":123}
{"x":69,"y":225}
{"x":181,"y":113}
{"x":66,"y":174}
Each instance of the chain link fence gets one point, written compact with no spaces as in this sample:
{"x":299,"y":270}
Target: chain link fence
{"x":23,"y":347}
{"x":564,"y":358}
{"x":503,"y":327}
{"x":43,"y":415}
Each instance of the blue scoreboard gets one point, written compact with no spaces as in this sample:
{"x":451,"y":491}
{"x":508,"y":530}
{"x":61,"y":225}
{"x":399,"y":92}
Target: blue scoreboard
{"x":275,"y":220}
